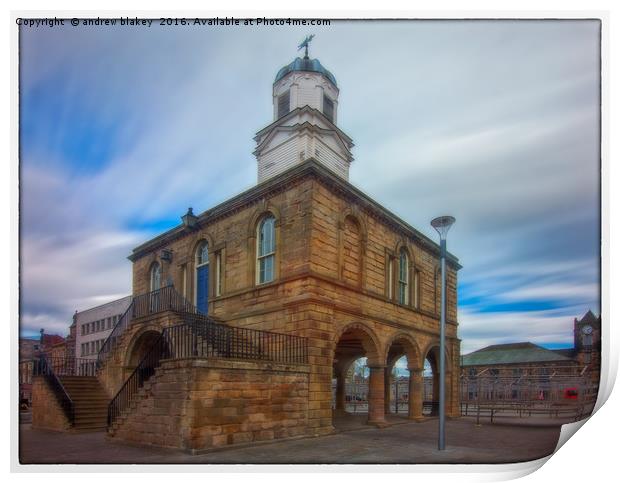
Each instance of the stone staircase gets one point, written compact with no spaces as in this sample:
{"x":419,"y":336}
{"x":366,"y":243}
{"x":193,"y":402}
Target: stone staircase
{"x":90,"y":402}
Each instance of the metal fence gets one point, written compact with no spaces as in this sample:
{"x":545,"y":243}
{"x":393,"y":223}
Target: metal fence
{"x":356,"y":396}
{"x":558,"y":388}
{"x":525,"y":393}
{"x":201,"y":337}
{"x":160,"y":300}
{"x":65,"y":366}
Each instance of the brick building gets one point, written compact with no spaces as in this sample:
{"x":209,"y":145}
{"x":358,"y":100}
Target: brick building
{"x":527,"y":371}
{"x":254,"y":306}
{"x":52,"y":345}
{"x":30,"y":350}
{"x":27,"y":350}
{"x":502,"y":359}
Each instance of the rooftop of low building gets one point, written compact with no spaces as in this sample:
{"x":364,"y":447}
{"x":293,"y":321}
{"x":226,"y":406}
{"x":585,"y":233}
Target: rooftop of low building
{"x":514,"y":353}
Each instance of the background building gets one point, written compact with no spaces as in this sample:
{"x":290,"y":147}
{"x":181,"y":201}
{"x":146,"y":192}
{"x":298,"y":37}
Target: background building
{"x":525,"y":372}
{"x":27,"y":349}
{"x":93,"y":326}
{"x":586,"y":348}
{"x":50,"y":345}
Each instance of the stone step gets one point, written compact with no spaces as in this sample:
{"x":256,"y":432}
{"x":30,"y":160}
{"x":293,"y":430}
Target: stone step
{"x":78,"y":378}
{"x":93,"y":384}
{"x":87,"y":428}
{"x":84,"y":390}
{"x":79,"y":393}
{"x":91,"y":410}
{"x":92,"y":415}
{"x":96,"y":419}
{"x":100,"y":413}
{"x":83,"y":384}
{"x":87,"y":400}
{"x":90,"y":391}
{"x":86,"y":394}
{"x":80,"y":382}
{"x":91,"y":404}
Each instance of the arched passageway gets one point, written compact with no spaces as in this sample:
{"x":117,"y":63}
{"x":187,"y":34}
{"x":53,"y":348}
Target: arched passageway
{"x":355,"y":342}
{"x":431,"y":381}
{"x":140,"y":347}
{"x":403,"y":388}
{"x":351,"y":395}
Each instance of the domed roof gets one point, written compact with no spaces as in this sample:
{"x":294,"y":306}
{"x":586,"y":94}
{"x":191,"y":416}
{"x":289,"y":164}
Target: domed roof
{"x":305,"y":65}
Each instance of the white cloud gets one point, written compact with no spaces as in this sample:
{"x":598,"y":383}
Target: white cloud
{"x":558,"y":291}
{"x":478,"y":330}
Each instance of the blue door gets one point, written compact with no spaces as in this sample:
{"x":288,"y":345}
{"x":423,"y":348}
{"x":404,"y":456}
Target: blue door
{"x":202,"y":289}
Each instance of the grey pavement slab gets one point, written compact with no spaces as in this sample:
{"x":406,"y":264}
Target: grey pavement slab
{"x":404,"y":443}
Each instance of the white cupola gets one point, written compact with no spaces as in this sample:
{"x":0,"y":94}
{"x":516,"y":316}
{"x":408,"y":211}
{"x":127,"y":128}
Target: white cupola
{"x":305,"y":113}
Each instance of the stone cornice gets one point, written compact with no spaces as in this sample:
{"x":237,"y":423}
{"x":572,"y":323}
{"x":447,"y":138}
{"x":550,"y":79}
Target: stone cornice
{"x":309,"y":169}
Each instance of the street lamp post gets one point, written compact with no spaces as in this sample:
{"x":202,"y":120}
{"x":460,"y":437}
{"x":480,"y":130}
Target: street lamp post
{"x":442,"y":224}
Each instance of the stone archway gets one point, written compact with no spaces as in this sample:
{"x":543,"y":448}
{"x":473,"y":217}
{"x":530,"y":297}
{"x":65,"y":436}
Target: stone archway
{"x":352,"y":342}
{"x":404,"y":345}
{"x":139,"y":347}
{"x":431,"y":391}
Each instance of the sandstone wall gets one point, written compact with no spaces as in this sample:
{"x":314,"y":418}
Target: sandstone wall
{"x":46,"y":412}
{"x":197,"y":404}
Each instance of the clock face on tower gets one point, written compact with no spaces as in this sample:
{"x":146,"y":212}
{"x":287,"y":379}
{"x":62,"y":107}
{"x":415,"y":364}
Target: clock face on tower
{"x":586,"y":329}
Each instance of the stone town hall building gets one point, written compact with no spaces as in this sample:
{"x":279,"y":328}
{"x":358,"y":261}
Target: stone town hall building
{"x":244,"y":314}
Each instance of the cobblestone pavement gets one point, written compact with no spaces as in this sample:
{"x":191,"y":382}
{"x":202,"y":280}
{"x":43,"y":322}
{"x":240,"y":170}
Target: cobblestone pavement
{"x":408,"y":442}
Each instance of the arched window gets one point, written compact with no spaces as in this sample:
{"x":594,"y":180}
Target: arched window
{"x":155,"y":276}
{"x":202,"y":254}
{"x":403,"y":278}
{"x":266,"y":250}
{"x":201,"y":293}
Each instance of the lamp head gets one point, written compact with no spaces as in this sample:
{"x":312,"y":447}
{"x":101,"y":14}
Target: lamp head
{"x":442,"y":224}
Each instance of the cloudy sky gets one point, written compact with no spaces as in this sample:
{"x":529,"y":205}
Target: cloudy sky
{"x":494,"y":122}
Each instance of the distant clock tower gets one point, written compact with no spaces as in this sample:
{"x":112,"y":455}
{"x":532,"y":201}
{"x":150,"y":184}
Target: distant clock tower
{"x":305,"y":113}
{"x":587,"y":340}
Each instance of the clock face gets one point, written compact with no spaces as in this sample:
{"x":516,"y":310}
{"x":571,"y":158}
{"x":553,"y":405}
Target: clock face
{"x":586,"y":329}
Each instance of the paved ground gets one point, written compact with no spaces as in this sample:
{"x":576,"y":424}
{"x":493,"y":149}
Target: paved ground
{"x":407,"y":442}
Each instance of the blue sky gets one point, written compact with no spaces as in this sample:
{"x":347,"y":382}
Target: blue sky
{"x":494,"y":122}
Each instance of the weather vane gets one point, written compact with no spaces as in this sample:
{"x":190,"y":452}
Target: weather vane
{"x":305,"y":43}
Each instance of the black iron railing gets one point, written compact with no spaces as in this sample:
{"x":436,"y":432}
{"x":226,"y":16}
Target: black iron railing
{"x":43,"y":368}
{"x":166,"y":298}
{"x":72,"y":366}
{"x":211,"y":339}
{"x":199,"y":336}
